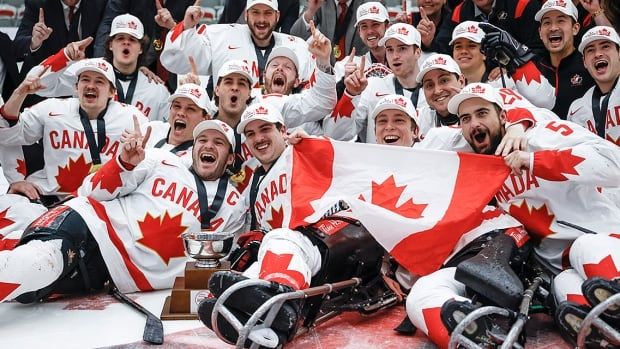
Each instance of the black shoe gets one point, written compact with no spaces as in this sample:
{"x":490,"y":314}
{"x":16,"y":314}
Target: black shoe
{"x":249,"y":299}
{"x":205,"y":309}
{"x":568,"y":319}
{"x":453,"y":312}
{"x":597,"y":290}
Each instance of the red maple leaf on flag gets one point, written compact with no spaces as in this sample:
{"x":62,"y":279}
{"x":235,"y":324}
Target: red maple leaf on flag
{"x":386,"y":195}
{"x":275,"y":268}
{"x":527,"y":72}
{"x":277,"y":216}
{"x":536,"y":220}
{"x":6,"y":288}
{"x":109,"y":176}
{"x":70,"y":177}
{"x":21,"y":167}
{"x":606,"y":268}
{"x":553,"y":164}
{"x":5,"y":222}
{"x":161,"y":235}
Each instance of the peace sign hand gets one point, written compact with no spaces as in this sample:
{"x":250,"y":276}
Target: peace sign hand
{"x":134,"y":143}
{"x":356,"y":82}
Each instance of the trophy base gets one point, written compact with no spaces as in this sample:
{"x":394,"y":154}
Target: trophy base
{"x":189,"y":291}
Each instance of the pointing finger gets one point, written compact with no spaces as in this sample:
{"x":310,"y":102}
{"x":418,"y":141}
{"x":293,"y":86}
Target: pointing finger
{"x":197,"y":3}
{"x":352,"y":55}
{"x":423,"y":14}
{"x":362,"y":65}
{"x":158,"y":5}
{"x":41,"y":16}
{"x":136,"y":126}
{"x":146,"y":137}
{"x":312,"y":28}
{"x":84,"y":43}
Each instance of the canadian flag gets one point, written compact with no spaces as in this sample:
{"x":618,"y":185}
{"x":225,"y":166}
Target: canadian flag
{"x":416,"y":203}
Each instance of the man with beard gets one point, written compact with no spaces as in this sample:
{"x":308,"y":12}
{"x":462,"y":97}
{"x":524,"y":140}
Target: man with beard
{"x":214,"y":45}
{"x":597,"y":110}
{"x":151,"y":194}
{"x":558,"y":178}
{"x":79,"y":134}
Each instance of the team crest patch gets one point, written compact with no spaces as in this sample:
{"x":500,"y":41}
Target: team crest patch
{"x":576,"y":80}
{"x":502,"y":15}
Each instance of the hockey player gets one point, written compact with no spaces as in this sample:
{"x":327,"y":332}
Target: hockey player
{"x":557,"y":179}
{"x":402,"y":45}
{"x":214,"y":45}
{"x":597,"y":109}
{"x":189,"y":105}
{"x":126,"y":224}
{"x":77,"y":132}
{"x":125,"y":48}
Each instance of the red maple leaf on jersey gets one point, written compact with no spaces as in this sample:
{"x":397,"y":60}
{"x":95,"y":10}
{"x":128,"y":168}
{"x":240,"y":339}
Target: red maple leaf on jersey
{"x":553,"y":164}
{"x":275,"y":268}
{"x":536,"y":220}
{"x":606,"y":268}
{"x":21,"y":167}
{"x":6,"y":288}
{"x":70,"y":177}
{"x":276,"y":218}
{"x":5,"y":222}
{"x":109,"y":176}
{"x":529,"y":72}
{"x":386,"y":195}
{"x":247,"y":173}
{"x":344,"y":108}
{"x":616,"y":141}
{"x":161,"y":235}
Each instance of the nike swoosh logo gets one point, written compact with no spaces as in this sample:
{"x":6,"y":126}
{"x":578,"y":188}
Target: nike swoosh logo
{"x":377,"y":94}
{"x":573,"y":112}
{"x":232,"y":47}
{"x":167,"y":164}
{"x":54,"y":114}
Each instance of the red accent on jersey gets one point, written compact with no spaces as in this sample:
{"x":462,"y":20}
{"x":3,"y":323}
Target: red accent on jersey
{"x":21,"y":167}
{"x":577,"y":299}
{"x":437,"y":332}
{"x":521,"y":5}
{"x":529,"y":72}
{"x":108,"y":177}
{"x":616,"y":141}
{"x":57,"y":61}
{"x":606,"y":268}
{"x":277,"y":216}
{"x":161,"y":235}
{"x":6,"y":288}
{"x":70,"y":177}
{"x":344,"y":108}
{"x":5,"y":222}
{"x":553,"y":164}
{"x":176,"y":31}
{"x":274,"y":267}
{"x":537,"y":221}
{"x":456,"y":18}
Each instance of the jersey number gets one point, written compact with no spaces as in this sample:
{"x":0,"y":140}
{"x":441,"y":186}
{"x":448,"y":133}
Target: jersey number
{"x":563,"y":129}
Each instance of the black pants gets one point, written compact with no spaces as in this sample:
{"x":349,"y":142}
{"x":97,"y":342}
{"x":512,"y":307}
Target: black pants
{"x":84,"y":269}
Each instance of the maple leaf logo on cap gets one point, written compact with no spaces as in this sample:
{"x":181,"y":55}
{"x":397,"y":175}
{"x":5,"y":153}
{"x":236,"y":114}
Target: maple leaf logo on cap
{"x":132,"y":25}
{"x":561,"y":3}
{"x":102,"y":66}
{"x":195,"y":92}
{"x":478,"y":89}
{"x":224,"y":126}
{"x":374,"y":10}
{"x":472,"y":29}
{"x":604,"y":31}
{"x":261,"y":110}
{"x":400,"y":101}
{"x":402,"y":31}
{"x":440,"y":60}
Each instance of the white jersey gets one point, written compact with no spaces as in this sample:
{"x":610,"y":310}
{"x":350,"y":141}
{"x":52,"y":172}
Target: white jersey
{"x":150,"y":98}
{"x":67,"y":155}
{"x":580,"y":112}
{"x":568,"y":167}
{"x":16,"y":213}
{"x":159,"y":139}
{"x":309,"y":105}
{"x":511,"y":98}
{"x":13,"y":163}
{"x":213,"y":45}
{"x":352,"y":116}
{"x":137,"y":217}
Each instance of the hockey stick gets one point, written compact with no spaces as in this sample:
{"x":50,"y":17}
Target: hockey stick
{"x":153,"y":329}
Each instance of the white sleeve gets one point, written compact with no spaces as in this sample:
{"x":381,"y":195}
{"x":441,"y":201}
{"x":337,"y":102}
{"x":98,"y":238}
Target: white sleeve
{"x":29,"y":128}
{"x":182,"y":43}
{"x":312,"y":104}
{"x":59,"y":79}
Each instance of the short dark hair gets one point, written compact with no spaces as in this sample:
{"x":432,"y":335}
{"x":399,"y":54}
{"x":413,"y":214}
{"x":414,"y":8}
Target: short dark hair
{"x":144,"y":45}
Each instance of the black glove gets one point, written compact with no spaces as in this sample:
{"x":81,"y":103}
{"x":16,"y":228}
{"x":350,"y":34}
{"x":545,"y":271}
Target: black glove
{"x":502,"y":47}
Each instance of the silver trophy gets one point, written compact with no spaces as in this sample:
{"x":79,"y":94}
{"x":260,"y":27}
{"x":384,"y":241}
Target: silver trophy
{"x":207,"y":248}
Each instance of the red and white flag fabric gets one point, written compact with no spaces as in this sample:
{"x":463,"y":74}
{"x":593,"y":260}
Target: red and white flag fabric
{"x":416,"y":203}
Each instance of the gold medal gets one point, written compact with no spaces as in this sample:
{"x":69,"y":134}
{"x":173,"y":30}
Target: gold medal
{"x":336,"y":52}
{"x":238,"y":177}
{"x":158,"y":45}
{"x":94,"y":168}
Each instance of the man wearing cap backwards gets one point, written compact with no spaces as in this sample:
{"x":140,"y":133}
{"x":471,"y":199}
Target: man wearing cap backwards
{"x":556,"y":179}
{"x":214,"y":45}
{"x":125,"y":49}
{"x":352,"y":113}
{"x":597,"y":110}
{"x":79,"y":134}
{"x":556,"y":76}
{"x":126,"y":224}
{"x":189,"y":105}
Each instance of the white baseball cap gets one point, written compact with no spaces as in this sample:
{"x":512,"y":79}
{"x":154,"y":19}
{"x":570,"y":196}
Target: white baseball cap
{"x":397,"y":102}
{"x":127,"y":24}
{"x":405,"y":33}
{"x":98,"y":65}
{"x":284,"y":51}
{"x":475,"y":90}
{"x":600,"y":32}
{"x":565,"y":6}
{"x":218,"y":126}
{"x":438,"y":61}
{"x":271,"y":3}
{"x":260,"y":111}
{"x":236,"y":66}
{"x":373,"y":10}
{"x":196,"y":93}
{"x":468,"y":30}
